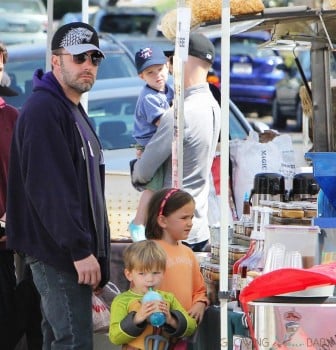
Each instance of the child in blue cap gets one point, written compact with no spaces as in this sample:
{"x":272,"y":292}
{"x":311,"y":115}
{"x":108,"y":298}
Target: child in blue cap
{"x":154,"y":100}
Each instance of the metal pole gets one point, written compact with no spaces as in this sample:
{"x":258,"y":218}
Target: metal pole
{"x":50,"y":30}
{"x":85,"y":11}
{"x":85,"y":19}
{"x":224,"y":168}
{"x":180,"y":56}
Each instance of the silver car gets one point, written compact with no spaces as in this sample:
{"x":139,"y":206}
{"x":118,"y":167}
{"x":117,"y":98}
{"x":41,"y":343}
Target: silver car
{"x":24,"y":59}
{"x":111,"y":106}
{"x":23,"y":21}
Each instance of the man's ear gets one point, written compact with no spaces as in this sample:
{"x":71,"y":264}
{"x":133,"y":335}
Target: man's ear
{"x":55,"y":60}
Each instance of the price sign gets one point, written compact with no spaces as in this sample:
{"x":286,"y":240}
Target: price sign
{"x":182,"y":32}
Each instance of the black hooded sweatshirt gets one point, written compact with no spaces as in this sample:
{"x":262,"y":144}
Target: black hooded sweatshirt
{"x":56,"y":210}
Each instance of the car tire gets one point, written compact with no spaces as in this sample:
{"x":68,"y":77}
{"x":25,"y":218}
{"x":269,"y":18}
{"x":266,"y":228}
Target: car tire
{"x":279,"y":120}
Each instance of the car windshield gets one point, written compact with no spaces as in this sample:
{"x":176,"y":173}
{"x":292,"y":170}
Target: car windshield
{"x":125,"y":23}
{"x":116,"y":65}
{"x":21,"y":69}
{"x":249,"y":46}
{"x":25,"y":7}
{"x":112,"y":119}
{"x":236,"y":128}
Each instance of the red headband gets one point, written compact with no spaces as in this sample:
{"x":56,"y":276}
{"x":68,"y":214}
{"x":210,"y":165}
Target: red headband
{"x":165,"y":199}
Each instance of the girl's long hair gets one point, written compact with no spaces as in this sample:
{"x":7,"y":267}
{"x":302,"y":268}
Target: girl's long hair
{"x":164,"y":202}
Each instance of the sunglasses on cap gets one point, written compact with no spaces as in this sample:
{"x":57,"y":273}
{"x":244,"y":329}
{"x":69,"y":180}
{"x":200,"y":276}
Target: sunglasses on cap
{"x":96,"y":57}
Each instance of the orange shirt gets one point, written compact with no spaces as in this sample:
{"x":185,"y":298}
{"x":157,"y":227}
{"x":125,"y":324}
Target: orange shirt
{"x":183,"y":277}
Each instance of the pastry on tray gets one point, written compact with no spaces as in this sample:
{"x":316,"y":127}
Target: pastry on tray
{"x":207,"y":11}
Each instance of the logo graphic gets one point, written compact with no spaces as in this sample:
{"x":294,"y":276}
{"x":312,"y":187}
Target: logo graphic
{"x":146,"y":53}
{"x":76,"y":36}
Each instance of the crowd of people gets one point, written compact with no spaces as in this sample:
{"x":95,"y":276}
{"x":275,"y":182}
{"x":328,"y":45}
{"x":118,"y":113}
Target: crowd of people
{"x":53,"y":207}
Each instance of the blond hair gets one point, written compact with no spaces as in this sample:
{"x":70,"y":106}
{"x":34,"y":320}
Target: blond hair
{"x":3,"y":53}
{"x":145,"y":256}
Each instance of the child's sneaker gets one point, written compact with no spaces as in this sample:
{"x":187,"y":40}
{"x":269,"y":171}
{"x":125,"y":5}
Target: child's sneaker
{"x":137,"y":232}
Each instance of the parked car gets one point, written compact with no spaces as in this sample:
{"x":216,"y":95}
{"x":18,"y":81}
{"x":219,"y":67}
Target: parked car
{"x":25,"y":59}
{"x":70,"y":17}
{"x":23,"y":21}
{"x":134,"y":44}
{"x":126,"y":20}
{"x":254,"y":71}
{"x":287,"y":103}
{"x":111,"y":106}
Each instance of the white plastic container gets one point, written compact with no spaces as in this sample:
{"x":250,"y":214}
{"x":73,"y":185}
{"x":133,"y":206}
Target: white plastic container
{"x":303,"y":239}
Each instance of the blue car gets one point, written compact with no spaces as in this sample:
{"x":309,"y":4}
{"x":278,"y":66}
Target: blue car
{"x":254,"y":71}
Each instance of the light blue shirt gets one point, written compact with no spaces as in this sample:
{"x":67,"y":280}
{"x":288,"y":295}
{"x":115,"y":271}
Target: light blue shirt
{"x":151,"y":105}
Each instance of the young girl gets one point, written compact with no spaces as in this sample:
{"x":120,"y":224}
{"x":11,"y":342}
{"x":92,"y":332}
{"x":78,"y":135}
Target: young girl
{"x":170,"y":214}
{"x":145,"y":263}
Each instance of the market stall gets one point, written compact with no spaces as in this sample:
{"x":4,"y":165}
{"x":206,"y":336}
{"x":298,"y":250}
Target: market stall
{"x":292,"y":28}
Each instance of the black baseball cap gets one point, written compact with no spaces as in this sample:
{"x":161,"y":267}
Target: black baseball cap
{"x":76,"y":38}
{"x":199,"y":46}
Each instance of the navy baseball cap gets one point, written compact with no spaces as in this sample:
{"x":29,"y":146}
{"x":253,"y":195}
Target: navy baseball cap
{"x":199,"y":46}
{"x":149,"y":56}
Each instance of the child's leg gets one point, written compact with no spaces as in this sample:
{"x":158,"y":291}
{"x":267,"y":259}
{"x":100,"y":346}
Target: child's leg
{"x":141,"y":214}
{"x":137,"y":225}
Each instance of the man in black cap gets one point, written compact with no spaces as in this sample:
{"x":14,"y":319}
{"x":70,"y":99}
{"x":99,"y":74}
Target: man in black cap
{"x":56,"y":213}
{"x":201,"y":130}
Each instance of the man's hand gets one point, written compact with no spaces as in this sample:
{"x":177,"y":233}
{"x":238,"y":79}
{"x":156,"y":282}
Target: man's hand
{"x":138,"y":153}
{"x":88,"y":270}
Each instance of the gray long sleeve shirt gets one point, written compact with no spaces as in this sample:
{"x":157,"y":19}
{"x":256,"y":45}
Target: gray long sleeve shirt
{"x":201,"y":131}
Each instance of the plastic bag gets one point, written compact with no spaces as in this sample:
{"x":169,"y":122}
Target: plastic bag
{"x":250,"y":157}
{"x":100,"y":315}
{"x":109,"y":291}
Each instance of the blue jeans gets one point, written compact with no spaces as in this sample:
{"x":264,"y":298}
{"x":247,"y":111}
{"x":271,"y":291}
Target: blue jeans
{"x":66,"y":308}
